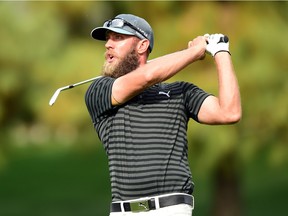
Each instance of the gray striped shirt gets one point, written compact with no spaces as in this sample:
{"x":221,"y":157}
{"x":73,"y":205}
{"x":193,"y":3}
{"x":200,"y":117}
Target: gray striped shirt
{"x":146,"y":138}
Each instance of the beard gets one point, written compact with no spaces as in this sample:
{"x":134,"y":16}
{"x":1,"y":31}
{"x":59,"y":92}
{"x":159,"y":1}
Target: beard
{"x":127,"y":64}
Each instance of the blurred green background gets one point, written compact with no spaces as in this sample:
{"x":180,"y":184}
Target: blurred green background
{"x":51,"y":161}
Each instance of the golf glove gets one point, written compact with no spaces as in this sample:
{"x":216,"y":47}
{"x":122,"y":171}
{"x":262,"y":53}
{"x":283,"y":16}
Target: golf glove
{"x":216,"y":43}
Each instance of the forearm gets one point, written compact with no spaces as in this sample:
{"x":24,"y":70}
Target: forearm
{"x":157,"y":70}
{"x":163,"y":68}
{"x":229,"y":94}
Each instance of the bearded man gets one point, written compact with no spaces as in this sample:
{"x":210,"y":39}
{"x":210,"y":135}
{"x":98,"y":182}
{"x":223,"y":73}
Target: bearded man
{"x":142,"y":122}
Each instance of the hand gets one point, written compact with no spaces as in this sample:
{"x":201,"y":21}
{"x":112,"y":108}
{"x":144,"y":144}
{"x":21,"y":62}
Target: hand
{"x":199,"y":42}
{"x":216,"y":43}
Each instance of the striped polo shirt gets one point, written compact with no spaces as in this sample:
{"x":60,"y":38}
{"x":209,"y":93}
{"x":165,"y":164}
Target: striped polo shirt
{"x":145,"y":139}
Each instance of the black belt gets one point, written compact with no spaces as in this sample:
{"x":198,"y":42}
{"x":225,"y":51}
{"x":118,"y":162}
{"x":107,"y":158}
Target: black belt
{"x":150,"y":203}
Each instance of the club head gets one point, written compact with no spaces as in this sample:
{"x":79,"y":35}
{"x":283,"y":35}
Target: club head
{"x":54,"y":97}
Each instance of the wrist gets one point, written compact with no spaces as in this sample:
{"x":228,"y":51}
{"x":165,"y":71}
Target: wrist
{"x":222,"y":51}
{"x":198,"y":53}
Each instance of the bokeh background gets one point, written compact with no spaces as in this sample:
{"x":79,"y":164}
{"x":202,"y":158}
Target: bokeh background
{"x":51,"y":160}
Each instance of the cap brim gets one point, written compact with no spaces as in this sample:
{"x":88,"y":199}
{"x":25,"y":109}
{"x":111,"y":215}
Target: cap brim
{"x":100,"y":32}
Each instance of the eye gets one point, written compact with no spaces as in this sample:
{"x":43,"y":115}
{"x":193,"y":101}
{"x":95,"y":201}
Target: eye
{"x":108,"y":35}
{"x":114,"y":36}
{"x":119,"y":37}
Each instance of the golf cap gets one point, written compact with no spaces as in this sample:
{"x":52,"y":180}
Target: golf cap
{"x":126,"y":24}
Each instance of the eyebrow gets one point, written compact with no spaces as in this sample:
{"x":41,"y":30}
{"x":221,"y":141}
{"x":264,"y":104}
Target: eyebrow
{"x":109,"y":32}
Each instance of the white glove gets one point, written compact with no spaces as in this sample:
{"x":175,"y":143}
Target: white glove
{"x":217,"y":43}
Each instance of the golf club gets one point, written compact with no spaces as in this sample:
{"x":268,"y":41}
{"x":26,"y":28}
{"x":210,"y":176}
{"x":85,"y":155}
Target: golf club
{"x":57,"y":92}
{"x":223,"y":39}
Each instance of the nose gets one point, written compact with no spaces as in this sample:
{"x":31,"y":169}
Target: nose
{"x":109,"y":43}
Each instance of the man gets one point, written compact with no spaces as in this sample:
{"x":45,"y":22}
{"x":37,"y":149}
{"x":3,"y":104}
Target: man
{"x":142,"y":122}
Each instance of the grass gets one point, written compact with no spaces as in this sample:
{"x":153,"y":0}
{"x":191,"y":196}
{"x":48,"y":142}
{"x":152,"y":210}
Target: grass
{"x":63,"y":183}
{"x":76,"y":183}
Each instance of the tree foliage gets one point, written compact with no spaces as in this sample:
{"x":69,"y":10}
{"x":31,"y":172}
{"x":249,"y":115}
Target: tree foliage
{"x":46,"y":45}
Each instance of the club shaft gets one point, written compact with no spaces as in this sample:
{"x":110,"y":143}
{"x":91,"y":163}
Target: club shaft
{"x":57,"y":92}
{"x":83,"y":82}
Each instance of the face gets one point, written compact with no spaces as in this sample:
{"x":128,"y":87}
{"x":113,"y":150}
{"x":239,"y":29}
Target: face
{"x":121,"y":56}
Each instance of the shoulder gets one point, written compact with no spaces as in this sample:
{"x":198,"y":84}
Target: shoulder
{"x":99,"y":85}
{"x":98,"y":98}
{"x":102,"y":81}
{"x":99,"y":91}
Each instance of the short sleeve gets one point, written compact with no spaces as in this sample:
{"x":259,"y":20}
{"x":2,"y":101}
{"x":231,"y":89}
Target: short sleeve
{"x":193,"y":99}
{"x":98,"y":98}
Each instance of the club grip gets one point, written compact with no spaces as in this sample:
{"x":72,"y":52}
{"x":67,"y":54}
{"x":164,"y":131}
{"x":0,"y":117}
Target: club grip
{"x":224,"y":39}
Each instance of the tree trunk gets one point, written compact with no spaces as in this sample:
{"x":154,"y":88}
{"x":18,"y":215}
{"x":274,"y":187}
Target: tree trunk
{"x":227,"y":197}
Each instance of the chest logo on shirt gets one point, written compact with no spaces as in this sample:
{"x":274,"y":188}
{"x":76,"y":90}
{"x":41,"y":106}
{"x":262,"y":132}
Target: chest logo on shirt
{"x":165,"y":93}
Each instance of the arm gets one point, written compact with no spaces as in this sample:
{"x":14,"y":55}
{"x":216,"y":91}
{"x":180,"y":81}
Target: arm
{"x":158,"y":70}
{"x":226,"y":108}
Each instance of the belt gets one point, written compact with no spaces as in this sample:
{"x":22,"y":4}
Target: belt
{"x":147,"y":204}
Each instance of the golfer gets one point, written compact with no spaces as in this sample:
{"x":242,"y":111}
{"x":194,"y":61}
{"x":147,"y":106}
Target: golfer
{"x":142,"y":121}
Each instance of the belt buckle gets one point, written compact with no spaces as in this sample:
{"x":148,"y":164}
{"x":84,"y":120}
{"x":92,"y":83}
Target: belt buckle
{"x":139,"y":206}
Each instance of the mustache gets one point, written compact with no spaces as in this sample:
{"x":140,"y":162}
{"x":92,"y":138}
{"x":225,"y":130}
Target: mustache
{"x":109,"y":54}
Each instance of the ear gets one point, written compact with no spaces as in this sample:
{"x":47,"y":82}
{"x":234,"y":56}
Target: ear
{"x":143,"y":46}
